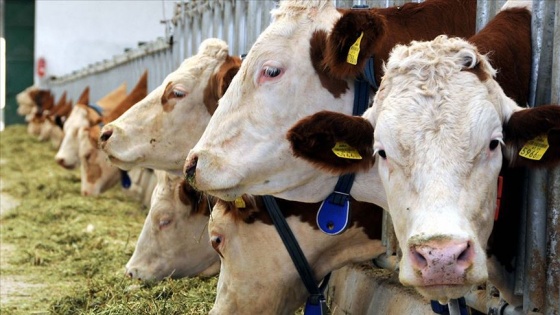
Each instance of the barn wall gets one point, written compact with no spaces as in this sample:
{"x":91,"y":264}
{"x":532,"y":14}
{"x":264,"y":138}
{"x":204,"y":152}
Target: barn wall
{"x":239,"y":22}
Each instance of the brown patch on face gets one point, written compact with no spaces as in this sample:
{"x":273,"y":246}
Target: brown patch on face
{"x":478,"y":71}
{"x":93,"y":172}
{"x":200,"y":202}
{"x":219,"y":82}
{"x":165,"y":100}
{"x":318,"y":45}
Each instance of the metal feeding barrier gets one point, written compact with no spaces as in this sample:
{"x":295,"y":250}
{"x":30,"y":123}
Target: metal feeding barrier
{"x":239,"y":22}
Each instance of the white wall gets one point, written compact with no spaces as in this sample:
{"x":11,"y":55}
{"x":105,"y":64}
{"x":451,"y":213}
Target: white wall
{"x":71,"y":34}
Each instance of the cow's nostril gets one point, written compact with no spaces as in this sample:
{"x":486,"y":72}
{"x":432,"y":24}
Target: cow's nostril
{"x":191,"y":168}
{"x":60,"y":162}
{"x":106,"y":135}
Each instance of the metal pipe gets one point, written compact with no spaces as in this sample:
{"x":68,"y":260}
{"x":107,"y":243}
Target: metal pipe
{"x":454,"y":308}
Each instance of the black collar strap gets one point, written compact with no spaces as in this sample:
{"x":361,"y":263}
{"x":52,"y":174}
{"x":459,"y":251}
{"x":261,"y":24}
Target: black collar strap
{"x":334,"y":214}
{"x":316,"y":303}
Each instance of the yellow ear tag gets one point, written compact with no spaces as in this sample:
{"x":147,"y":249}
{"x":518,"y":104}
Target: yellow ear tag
{"x":535,"y":149}
{"x":343,"y":150}
{"x":239,"y":203}
{"x":354,"y":51}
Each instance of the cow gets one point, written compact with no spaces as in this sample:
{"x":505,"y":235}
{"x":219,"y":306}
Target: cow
{"x":438,"y":134}
{"x":298,"y":59}
{"x":67,"y":155}
{"x":179,"y":110}
{"x":257,"y":275}
{"x":44,"y":103}
{"x":97,"y":173}
{"x":30,"y":101}
{"x":174,"y":241}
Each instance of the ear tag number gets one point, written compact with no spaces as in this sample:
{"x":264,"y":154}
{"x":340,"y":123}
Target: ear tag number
{"x":535,"y":149}
{"x":239,"y":203}
{"x":354,"y":51}
{"x":343,"y":150}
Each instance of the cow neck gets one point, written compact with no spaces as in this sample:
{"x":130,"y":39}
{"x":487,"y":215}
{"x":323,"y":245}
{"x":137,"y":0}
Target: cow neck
{"x":334,"y":214}
{"x":316,"y":302}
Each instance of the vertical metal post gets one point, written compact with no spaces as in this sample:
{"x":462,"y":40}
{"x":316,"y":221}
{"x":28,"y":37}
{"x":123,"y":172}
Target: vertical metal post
{"x":536,"y":264}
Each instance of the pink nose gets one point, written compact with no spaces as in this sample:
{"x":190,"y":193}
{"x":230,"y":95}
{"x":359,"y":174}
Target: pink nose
{"x":442,"y":262}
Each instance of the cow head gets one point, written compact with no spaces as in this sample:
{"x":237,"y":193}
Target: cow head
{"x":178,"y":112}
{"x":299,"y":66}
{"x":442,"y":126}
{"x":25,"y":100}
{"x":96,"y":171}
{"x":67,"y":155}
{"x":257,"y":275}
{"x":174,"y":241}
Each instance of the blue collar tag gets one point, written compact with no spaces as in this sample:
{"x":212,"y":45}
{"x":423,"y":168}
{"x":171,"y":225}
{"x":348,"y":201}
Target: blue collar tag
{"x":334,"y":213}
{"x":125,"y":180}
{"x":318,"y":308}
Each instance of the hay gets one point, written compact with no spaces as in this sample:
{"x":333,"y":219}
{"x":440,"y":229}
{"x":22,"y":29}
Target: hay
{"x":76,"y":247}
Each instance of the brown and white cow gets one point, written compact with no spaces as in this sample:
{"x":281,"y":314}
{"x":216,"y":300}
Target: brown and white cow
{"x":294,"y":69}
{"x":97,"y":173}
{"x":257,"y":275}
{"x":31,"y":100}
{"x":81,"y":116}
{"x":44,"y":103}
{"x":178,"y":112}
{"x":443,"y":126}
{"x":174,"y":241}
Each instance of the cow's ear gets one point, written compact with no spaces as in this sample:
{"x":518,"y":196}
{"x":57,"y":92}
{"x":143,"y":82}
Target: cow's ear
{"x":352,"y":41}
{"x":532,"y":137}
{"x":84,"y":97}
{"x":333,"y":141}
{"x":233,"y":68}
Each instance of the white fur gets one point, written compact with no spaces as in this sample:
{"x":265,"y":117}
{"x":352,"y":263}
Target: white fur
{"x":244,"y":149}
{"x":257,"y":275}
{"x":164,"y":143}
{"x":180,"y":248}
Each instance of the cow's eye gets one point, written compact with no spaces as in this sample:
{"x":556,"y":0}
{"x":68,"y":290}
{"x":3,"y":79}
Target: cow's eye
{"x":178,"y":93}
{"x":164,"y":223}
{"x":271,"y":72}
{"x":216,"y":241}
{"x":494,"y":144}
{"x":382,"y":154}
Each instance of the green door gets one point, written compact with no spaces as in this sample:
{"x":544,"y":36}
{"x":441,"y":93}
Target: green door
{"x":18,"y":18}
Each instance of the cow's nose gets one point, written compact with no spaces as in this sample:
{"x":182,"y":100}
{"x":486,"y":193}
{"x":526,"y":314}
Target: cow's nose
{"x":60,"y":162}
{"x":131,"y":273}
{"x":442,"y":263}
{"x":190,"y":167}
{"x":106,"y":135}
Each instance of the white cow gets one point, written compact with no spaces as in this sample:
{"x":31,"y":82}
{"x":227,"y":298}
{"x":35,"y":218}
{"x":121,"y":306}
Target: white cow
{"x":257,"y":275}
{"x":178,"y":112}
{"x":287,"y":76}
{"x":174,"y":241}
{"x":97,"y":173}
{"x":67,"y":155}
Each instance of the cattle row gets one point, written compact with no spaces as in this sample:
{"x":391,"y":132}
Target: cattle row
{"x":441,"y":148}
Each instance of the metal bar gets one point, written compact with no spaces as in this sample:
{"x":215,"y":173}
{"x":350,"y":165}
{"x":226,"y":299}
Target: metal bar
{"x":552,"y":300}
{"x":454,"y":308}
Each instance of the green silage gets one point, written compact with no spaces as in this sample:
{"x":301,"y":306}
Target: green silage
{"x":72,"y":249}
